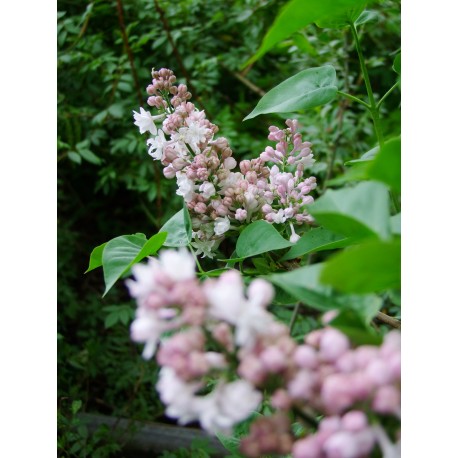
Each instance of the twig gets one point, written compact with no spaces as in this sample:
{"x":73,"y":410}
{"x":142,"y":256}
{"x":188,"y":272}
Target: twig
{"x":128,"y":50}
{"x":393,"y":322}
{"x":245,"y":81}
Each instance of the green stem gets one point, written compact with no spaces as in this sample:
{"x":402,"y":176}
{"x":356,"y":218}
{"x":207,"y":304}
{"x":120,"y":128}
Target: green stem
{"x":373,"y":106}
{"x":355,"y":99}
{"x":199,"y":267}
{"x":379,"y":104}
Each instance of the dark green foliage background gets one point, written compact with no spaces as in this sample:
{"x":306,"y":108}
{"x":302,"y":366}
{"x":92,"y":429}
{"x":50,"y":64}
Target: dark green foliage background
{"x":108,"y":185}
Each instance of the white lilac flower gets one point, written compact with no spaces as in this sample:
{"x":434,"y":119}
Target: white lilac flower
{"x":225,"y":296}
{"x":147,"y":328}
{"x":279,"y":217}
{"x":307,"y":161}
{"x":185,"y":187}
{"x":178,"y":265}
{"x":179,"y":396}
{"x":194,"y":134}
{"x":227,"y":405}
{"x":145,"y":121}
{"x":231,"y":181}
{"x":227,"y":302}
{"x":207,"y":189}
{"x":222,"y":225}
{"x":230,"y":163}
{"x":144,"y":282}
{"x":157,"y":145}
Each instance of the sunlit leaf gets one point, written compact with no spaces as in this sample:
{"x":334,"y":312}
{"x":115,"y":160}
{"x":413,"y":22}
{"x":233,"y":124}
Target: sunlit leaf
{"x":372,"y":266}
{"x":359,"y":211}
{"x":259,"y":237}
{"x":309,"y":88}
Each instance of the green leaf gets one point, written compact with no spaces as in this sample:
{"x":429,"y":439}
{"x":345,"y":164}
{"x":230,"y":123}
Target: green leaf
{"x":90,"y":156}
{"x":366,"y":16}
{"x":111,"y":320}
{"x":118,"y":256}
{"x":304,"y":285}
{"x":231,"y":444}
{"x":316,"y":240}
{"x":366,"y":305}
{"x":397,"y":64}
{"x":178,"y":229}
{"x":366,"y":157}
{"x":307,"y":89}
{"x":74,"y":156}
{"x":338,"y":21}
{"x":96,"y":258}
{"x":259,"y":237}
{"x":352,"y":325}
{"x":76,"y":406}
{"x":303,"y":44}
{"x":386,"y":166}
{"x":297,"y":14}
{"x":150,"y":247}
{"x":121,"y":253}
{"x":370,"y":267}
{"x":358,"y":172}
{"x":360,"y":211}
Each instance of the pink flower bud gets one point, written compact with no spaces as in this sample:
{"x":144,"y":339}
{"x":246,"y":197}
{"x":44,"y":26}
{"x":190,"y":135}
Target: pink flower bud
{"x":240,"y":214}
{"x":169,"y":172}
{"x":245,"y":166}
{"x":301,"y":387}
{"x":306,"y":357}
{"x":336,"y":393}
{"x":314,"y":338}
{"x":333,"y":344}
{"x":261,"y":292}
{"x":230,"y":163}
{"x":387,"y":399}
{"x":200,"y":208}
{"x":354,"y":421}
{"x":307,"y":448}
{"x":391,"y":343}
{"x":341,"y":445}
{"x":378,"y":372}
{"x":281,"y":400}
{"x":273,"y":359}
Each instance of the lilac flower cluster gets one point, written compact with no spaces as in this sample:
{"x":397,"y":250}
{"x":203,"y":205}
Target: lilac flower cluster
{"x":218,"y":197}
{"x":216,"y":330}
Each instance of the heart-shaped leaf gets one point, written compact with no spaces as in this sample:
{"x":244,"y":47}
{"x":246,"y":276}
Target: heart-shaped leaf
{"x":178,"y":229}
{"x":121,"y":253}
{"x":259,"y":237}
{"x":360,"y":211}
{"x":309,"y":88}
{"x":96,"y":258}
{"x":373,"y":266}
